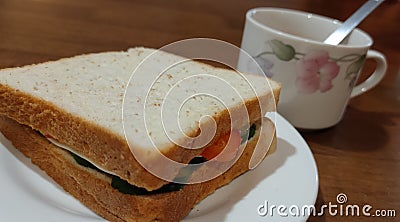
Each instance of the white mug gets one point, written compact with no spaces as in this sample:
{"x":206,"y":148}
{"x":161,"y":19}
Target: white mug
{"x":317,"y":79}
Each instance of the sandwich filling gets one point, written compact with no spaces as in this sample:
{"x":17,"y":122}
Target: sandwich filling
{"x":209,"y":153}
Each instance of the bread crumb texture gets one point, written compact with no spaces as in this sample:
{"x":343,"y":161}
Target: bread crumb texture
{"x":92,"y":87}
{"x":79,"y":102}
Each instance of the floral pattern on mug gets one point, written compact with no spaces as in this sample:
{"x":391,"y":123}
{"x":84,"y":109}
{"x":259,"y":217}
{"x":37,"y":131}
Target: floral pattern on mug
{"x":315,"y":70}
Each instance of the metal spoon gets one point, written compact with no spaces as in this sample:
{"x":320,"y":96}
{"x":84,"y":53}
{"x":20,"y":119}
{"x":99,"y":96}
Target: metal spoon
{"x":340,"y":33}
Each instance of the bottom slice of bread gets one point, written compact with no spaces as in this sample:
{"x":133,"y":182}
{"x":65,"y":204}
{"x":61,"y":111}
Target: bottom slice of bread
{"x":94,"y":189}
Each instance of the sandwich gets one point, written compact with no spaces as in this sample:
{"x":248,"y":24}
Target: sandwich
{"x":138,"y":135}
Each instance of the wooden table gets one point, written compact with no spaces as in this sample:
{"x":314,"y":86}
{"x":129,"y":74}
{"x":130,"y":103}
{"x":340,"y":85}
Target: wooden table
{"x":359,"y":157}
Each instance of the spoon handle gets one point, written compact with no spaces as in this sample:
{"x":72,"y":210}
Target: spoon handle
{"x":340,"y":33}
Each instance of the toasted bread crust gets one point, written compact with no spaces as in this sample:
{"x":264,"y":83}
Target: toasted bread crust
{"x":96,"y":143}
{"x":93,"y":189}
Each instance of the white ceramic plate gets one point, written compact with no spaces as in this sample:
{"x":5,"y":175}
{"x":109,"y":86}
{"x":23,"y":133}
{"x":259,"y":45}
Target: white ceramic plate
{"x":287,"y":177}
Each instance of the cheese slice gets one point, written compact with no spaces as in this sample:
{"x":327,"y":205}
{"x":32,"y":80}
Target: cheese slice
{"x":65,"y":147}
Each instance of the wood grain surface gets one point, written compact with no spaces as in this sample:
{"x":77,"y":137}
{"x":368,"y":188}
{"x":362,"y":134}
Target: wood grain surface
{"x":359,"y":157}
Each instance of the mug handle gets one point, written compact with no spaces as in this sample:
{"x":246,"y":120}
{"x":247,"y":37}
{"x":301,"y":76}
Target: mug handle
{"x":376,"y":76}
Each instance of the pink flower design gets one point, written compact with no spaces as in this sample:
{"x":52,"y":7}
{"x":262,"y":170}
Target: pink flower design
{"x":315,"y":72}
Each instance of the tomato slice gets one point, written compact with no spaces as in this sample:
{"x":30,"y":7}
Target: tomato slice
{"x":231,"y":147}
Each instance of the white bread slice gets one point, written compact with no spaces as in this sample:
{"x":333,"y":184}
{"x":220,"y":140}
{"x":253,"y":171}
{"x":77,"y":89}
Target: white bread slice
{"x":79,"y":100}
{"x":93,"y":189}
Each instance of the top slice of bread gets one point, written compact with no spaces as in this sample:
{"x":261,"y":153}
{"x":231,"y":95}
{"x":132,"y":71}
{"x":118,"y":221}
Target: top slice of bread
{"x":78,"y":101}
